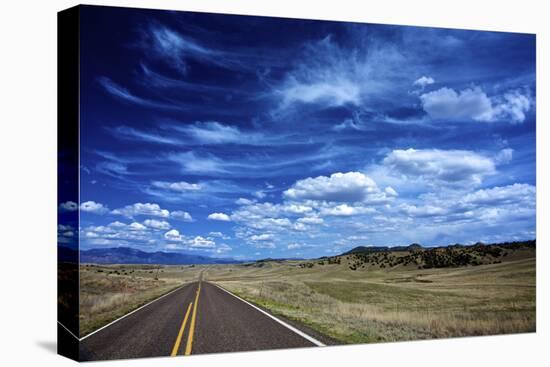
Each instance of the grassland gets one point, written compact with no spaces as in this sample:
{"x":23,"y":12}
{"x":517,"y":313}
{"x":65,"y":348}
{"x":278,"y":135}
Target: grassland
{"x":378,"y":303}
{"x":354,"y":298}
{"x":108,"y":292}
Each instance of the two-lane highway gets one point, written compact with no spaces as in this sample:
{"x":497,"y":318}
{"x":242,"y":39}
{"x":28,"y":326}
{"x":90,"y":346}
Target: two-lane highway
{"x":197,"y":318}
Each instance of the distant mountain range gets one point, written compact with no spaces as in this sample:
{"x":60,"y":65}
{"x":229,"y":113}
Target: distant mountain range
{"x":126,"y":255}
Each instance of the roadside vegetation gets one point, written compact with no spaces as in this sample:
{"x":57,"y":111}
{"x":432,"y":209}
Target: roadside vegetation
{"x":394,"y":296}
{"x":108,"y":292}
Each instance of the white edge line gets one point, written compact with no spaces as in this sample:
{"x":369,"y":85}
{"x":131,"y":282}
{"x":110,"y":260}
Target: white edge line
{"x":129,"y":313}
{"x":290,"y":327}
{"x":69,"y":331}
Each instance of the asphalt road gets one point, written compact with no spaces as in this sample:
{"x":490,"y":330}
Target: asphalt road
{"x":195,"y":319}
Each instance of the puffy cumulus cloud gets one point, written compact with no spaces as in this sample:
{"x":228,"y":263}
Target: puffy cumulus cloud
{"x":271,"y":224}
{"x":181,"y":215}
{"x":474,"y":104}
{"x":118,"y":233}
{"x":523,"y":194}
{"x":311,"y":220}
{"x":146,"y":209}
{"x":135,"y":226}
{"x":423,"y":211}
{"x":201,"y":242}
{"x":345,"y":210}
{"x":68,"y":206}
{"x":219,"y":216}
{"x":339,"y":187}
{"x":93,"y":207}
{"x":219,"y":235}
{"x":423,"y":81}
{"x":180,"y":186}
{"x":297,"y":208}
{"x":157,"y":224}
{"x":390,"y":191}
{"x":448,"y":104}
{"x":452,"y":167}
{"x":173,"y":235}
{"x":496,"y":204}
{"x":181,"y":242}
{"x":262,"y":237}
{"x":513,"y":106}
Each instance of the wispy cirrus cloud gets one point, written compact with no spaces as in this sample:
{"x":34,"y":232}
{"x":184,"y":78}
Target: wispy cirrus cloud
{"x":124,"y":94}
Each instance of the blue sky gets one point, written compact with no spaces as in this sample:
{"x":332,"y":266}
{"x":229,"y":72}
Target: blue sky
{"x":252,"y":137}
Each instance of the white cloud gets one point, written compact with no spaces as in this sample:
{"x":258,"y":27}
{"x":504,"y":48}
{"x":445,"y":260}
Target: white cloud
{"x":219,"y":235}
{"x":259,"y":194}
{"x":331,"y":75}
{"x":173,"y":235}
{"x":219,"y":216}
{"x":157,"y":224}
{"x":311,"y":220}
{"x":223,"y":248}
{"x":135,"y":226}
{"x":423,"y":81}
{"x":181,"y":215}
{"x":502,"y":195}
{"x":390,"y":191}
{"x":345,"y":210}
{"x":347,"y":124}
{"x":339,"y":187}
{"x":262,"y":237}
{"x":181,"y":186}
{"x":504,"y":156}
{"x":423,"y":211}
{"x":63,"y":227}
{"x":93,"y":207}
{"x":201,"y":242}
{"x":148,"y":209}
{"x":512,"y":105}
{"x":243,"y":201}
{"x":446,"y":103}
{"x":497,"y":204}
{"x":453,"y":167}
{"x":190,"y":162}
{"x":335,"y":92}
{"x":68,"y":206}
{"x":474,"y":104}
{"x":170,"y":45}
{"x":117,"y":224}
{"x":213,"y":132}
{"x":297,"y":208}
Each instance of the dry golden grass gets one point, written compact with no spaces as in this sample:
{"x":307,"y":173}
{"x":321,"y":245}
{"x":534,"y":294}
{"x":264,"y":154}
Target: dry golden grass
{"x":394,"y":304}
{"x":109,"y":292}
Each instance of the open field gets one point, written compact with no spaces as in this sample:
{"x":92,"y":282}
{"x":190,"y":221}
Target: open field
{"x":108,"y":292}
{"x":375,"y":304}
{"x":353,"y":298}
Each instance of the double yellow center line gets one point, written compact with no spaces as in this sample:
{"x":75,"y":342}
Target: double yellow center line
{"x":189,"y":344}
